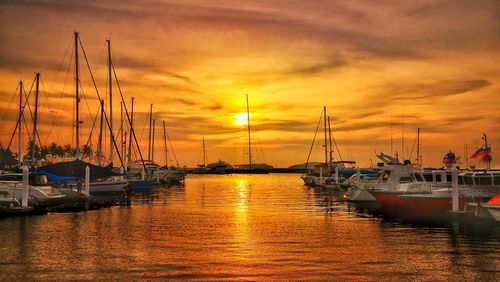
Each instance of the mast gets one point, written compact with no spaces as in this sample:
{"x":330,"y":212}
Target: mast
{"x":330,"y":139}
{"x":153,"y":141}
{"x":391,"y":135}
{"x":110,"y":103}
{"x":77,"y":99}
{"x":99,"y":145}
{"x":403,"y":136}
{"x":149,"y":139}
{"x":165,"y":143}
{"x":204,"y":153}
{"x":466,"y":156}
{"x":35,"y":119}
{"x":488,"y":160}
{"x":130,"y":133}
{"x":326,"y":142}
{"x":418,"y":146}
{"x":19,"y":153}
{"x":249,"y":143}
{"x":121,"y":129}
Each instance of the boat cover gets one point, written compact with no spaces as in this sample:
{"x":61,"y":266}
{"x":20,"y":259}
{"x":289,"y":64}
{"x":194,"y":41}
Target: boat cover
{"x":76,"y":169}
{"x":495,"y":201}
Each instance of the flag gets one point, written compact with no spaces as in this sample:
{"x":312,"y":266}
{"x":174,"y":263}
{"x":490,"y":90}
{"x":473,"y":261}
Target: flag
{"x":481,"y":151}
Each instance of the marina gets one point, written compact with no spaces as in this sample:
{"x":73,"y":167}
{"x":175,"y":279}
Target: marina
{"x":242,"y":227}
{"x":249,"y":140}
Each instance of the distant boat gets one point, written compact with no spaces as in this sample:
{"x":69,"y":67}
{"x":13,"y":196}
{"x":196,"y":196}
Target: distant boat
{"x":250,"y":168}
{"x":219,"y":167}
{"x":202,"y":168}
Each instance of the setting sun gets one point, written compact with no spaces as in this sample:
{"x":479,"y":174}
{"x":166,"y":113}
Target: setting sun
{"x":241,"y":119}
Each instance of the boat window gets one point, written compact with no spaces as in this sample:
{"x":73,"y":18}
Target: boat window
{"x":497,"y":180}
{"x":385,"y":175}
{"x":468,"y":180}
{"x":418,"y":177}
{"x":460,"y":180}
{"x":448,"y":177}
{"x":484,"y":179}
{"x":405,"y":179}
{"x":428,"y":177}
{"x":10,"y":177}
{"x":38,"y":180}
{"x":438,"y":177}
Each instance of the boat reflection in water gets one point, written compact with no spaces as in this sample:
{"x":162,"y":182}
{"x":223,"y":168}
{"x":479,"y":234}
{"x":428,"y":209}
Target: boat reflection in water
{"x":241,"y":227}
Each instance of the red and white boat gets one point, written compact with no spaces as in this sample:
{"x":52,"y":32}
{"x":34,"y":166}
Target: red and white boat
{"x":473,"y":187}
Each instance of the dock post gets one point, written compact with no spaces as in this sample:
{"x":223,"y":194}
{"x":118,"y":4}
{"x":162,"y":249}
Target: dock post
{"x":142,"y":173}
{"x":122,"y":171}
{"x":24,"y":200}
{"x":454,"y":189}
{"x":87,"y":181}
{"x":320,"y":175}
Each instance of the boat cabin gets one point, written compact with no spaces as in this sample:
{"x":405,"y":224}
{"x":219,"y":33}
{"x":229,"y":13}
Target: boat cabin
{"x":34,"y":179}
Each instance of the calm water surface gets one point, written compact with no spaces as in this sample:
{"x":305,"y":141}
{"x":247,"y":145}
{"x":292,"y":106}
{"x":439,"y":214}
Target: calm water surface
{"x":240,"y":227}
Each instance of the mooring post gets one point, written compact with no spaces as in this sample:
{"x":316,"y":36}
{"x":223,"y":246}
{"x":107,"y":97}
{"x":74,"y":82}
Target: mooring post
{"x":87,"y":181}
{"x":143,"y":172}
{"x":454,"y":189}
{"x":320,"y":174}
{"x":122,"y":171}
{"x":26,"y":192}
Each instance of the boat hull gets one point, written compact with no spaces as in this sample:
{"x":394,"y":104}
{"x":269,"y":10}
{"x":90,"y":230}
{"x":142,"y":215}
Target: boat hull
{"x":428,"y":206}
{"x":358,"y":195}
{"x":107,"y":187}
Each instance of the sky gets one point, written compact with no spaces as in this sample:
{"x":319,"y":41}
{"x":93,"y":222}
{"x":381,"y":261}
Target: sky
{"x":382,"y":70}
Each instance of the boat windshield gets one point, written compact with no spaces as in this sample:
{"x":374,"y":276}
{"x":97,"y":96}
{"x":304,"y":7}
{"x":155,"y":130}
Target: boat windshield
{"x":38,"y":180}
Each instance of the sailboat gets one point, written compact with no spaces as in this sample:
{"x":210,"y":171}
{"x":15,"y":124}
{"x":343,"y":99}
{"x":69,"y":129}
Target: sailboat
{"x":102,"y":179}
{"x":202,"y":168}
{"x":250,"y":168}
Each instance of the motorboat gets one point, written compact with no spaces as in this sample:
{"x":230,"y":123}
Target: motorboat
{"x":41,"y":194}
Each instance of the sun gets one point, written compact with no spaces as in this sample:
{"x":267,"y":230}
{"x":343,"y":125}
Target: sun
{"x":241,"y":119}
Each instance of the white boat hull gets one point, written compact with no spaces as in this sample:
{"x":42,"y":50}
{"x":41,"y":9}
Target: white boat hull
{"x":358,"y":195}
{"x":107,"y":186}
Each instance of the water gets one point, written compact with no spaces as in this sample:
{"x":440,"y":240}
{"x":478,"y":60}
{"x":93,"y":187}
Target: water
{"x":240,"y":227}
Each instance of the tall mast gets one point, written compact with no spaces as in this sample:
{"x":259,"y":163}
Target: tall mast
{"x":330,"y":148}
{"x":403,"y":135}
{"x":99,"y":145}
{"x":121,"y":129}
{"x":149,"y":139}
{"x":249,"y":143}
{"x":130,"y":134}
{"x":77,"y":97}
{"x":204,"y":153}
{"x":153,"y":140}
{"x":110,"y":103}
{"x":488,"y":160}
{"x":326,"y":142}
{"x":35,"y":119}
{"x":466,"y":156}
{"x":391,"y":136}
{"x":165,"y":143}
{"x":418,"y":146}
{"x":19,"y":153}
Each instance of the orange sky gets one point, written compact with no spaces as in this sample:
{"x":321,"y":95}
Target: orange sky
{"x":433,"y":62}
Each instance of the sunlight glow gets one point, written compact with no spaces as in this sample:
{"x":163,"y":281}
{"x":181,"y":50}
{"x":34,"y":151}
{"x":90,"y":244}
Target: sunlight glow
{"x":241,"y":119}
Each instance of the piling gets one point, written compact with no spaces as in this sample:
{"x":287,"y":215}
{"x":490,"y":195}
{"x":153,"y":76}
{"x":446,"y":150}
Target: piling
{"x":320,"y":174}
{"x":454,"y":189}
{"x":87,"y":181}
{"x":24,"y":200}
